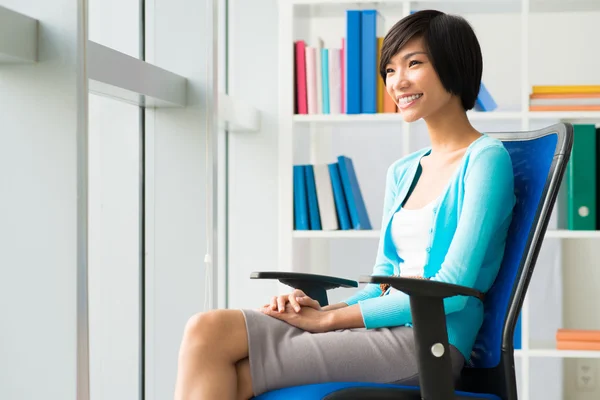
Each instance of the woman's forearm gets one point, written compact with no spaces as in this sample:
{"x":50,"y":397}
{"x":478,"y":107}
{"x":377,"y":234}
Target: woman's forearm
{"x":334,"y":306}
{"x":344,"y":318}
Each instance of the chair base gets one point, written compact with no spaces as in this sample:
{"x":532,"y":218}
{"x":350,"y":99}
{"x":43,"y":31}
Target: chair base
{"x":358,"y":391}
{"x":393,"y":394}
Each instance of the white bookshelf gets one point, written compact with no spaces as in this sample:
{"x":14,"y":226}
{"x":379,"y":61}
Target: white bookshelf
{"x":318,"y":127}
{"x":374,"y":234}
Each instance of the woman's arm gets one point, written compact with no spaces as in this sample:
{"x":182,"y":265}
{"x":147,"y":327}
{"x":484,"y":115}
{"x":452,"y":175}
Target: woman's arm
{"x":486,"y":212}
{"x":336,"y":306}
{"x":346,"y":317}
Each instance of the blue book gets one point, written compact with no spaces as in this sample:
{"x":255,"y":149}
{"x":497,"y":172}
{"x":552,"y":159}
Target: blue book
{"x":368,"y":71}
{"x":325,"y":79}
{"x":300,"y":199}
{"x":313,"y":205}
{"x":353,"y":61}
{"x":484,"y":101}
{"x":356,"y":205}
{"x":339,"y":197}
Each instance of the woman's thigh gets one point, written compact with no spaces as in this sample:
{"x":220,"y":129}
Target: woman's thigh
{"x":281,"y":355}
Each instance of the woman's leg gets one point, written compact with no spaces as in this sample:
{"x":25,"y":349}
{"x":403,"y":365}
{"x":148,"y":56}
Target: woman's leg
{"x":213,"y":358}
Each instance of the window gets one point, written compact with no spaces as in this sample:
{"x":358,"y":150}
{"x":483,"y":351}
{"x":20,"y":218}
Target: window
{"x":115,"y":217}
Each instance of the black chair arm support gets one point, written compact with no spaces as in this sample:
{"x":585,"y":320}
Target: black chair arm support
{"x":315,"y":286}
{"x":429,"y":325}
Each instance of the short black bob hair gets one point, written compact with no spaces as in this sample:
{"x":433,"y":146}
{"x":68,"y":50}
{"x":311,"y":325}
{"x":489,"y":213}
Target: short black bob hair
{"x":451,"y":45}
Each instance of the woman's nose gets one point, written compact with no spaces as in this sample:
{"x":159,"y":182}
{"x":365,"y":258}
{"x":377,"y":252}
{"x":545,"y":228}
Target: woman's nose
{"x":401,"y":82}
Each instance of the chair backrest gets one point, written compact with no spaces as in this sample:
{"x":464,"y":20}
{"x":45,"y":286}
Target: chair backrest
{"x":539,"y":160}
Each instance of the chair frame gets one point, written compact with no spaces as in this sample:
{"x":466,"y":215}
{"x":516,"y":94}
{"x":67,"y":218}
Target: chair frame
{"x":426,"y":297}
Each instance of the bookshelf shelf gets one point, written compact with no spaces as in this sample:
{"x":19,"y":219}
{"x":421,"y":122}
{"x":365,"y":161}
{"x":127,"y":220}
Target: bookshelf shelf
{"x":374,"y":234}
{"x":473,"y":116}
{"x":456,"y":6}
{"x":564,"y":115}
{"x":397,"y":117}
{"x":567,"y":234}
{"x":349,"y":234}
{"x":553,"y":353}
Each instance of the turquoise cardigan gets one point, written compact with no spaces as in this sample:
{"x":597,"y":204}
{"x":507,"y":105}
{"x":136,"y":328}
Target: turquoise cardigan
{"x":467,"y":239}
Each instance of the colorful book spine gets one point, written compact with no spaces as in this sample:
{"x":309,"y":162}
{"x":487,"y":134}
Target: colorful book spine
{"x":311,"y":80}
{"x":325,"y":79}
{"x":356,"y":205}
{"x":300,"y":61}
{"x":301,"y":220}
{"x":313,"y":202}
{"x":353,"y":62}
{"x":578,"y":190}
{"x":368,"y":69}
{"x":328,"y":197}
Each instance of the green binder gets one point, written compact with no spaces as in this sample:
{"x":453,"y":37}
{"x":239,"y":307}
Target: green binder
{"x":578,"y":208}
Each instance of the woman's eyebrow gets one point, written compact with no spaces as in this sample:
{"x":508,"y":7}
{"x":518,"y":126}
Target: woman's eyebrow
{"x":408,"y":55}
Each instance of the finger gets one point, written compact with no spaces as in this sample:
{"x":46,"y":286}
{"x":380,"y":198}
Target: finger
{"x":307,"y":301}
{"x":294,"y":302}
{"x":281,"y":303}
{"x":298,"y":293}
{"x":274,"y":303}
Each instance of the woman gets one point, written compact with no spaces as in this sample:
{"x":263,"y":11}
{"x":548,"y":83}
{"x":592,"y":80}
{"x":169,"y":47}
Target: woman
{"x":446,"y":214}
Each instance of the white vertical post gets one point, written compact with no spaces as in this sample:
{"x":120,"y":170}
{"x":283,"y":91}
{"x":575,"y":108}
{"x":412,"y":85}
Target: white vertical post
{"x":286,"y":127}
{"x":83,"y":358}
{"x":525,"y":125}
{"x":321,"y":152}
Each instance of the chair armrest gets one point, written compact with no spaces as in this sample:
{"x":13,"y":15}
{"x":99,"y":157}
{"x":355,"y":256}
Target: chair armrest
{"x":430,"y":330}
{"x":315,"y":286}
{"x":423,"y":287}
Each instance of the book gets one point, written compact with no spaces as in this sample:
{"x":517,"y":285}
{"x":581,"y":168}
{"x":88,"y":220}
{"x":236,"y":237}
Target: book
{"x":577,"y":196}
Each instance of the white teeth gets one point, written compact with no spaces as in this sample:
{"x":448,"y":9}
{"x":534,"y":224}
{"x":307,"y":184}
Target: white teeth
{"x":408,"y":99}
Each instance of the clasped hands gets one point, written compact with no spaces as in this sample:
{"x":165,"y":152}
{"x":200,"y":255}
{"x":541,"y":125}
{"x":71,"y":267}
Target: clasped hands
{"x":299,"y":310}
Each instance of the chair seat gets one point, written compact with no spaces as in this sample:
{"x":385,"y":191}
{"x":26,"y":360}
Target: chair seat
{"x":358,"y":390}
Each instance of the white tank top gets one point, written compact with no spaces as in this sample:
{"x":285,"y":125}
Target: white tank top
{"x":411,"y":230}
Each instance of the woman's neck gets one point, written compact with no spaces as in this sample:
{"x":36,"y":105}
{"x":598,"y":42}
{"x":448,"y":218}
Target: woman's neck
{"x":450,"y":130}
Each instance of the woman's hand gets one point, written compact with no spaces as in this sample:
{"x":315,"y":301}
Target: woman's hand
{"x":296,"y":299}
{"x":308,"y":319}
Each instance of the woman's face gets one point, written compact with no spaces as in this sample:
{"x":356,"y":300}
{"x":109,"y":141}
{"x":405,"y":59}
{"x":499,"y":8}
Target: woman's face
{"x":413,"y":83}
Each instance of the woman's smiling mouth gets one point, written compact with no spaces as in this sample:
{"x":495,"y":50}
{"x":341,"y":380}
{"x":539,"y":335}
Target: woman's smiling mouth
{"x":406,"y":101}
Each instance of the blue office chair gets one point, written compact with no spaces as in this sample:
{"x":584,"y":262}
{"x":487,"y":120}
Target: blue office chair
{"x":539,"y":160}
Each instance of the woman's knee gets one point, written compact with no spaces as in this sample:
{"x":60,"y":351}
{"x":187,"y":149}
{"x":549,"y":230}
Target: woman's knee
{"x":217,"y":330}
{"x":203,"y":327}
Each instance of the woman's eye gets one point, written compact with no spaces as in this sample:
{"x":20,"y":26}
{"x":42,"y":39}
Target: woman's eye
{"x":413,"y":62}
{"x":389,"y":71}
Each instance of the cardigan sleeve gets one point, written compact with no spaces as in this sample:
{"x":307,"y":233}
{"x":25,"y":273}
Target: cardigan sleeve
{"x":486,"y":212}
{"x":382,"y":265}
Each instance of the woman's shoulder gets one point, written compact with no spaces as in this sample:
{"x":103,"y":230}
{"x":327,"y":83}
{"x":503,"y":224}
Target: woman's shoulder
{"x":489,"y":152}
{"x":488,"y":146}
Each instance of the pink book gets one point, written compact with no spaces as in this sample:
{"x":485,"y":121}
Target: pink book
{"x":342,"y":69}
{"x":301,"y":77}
{"x":311,"y":79}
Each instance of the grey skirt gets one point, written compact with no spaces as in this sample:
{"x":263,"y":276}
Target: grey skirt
{"x":282,"y":355}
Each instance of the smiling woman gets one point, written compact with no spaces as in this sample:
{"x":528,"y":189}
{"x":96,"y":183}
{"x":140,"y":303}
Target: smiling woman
{"x":427,"y":60}
{"x":435,"y":199}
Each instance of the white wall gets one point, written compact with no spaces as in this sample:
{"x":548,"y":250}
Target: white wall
{"x":42,"y":116}
{"x":253,"y":159}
